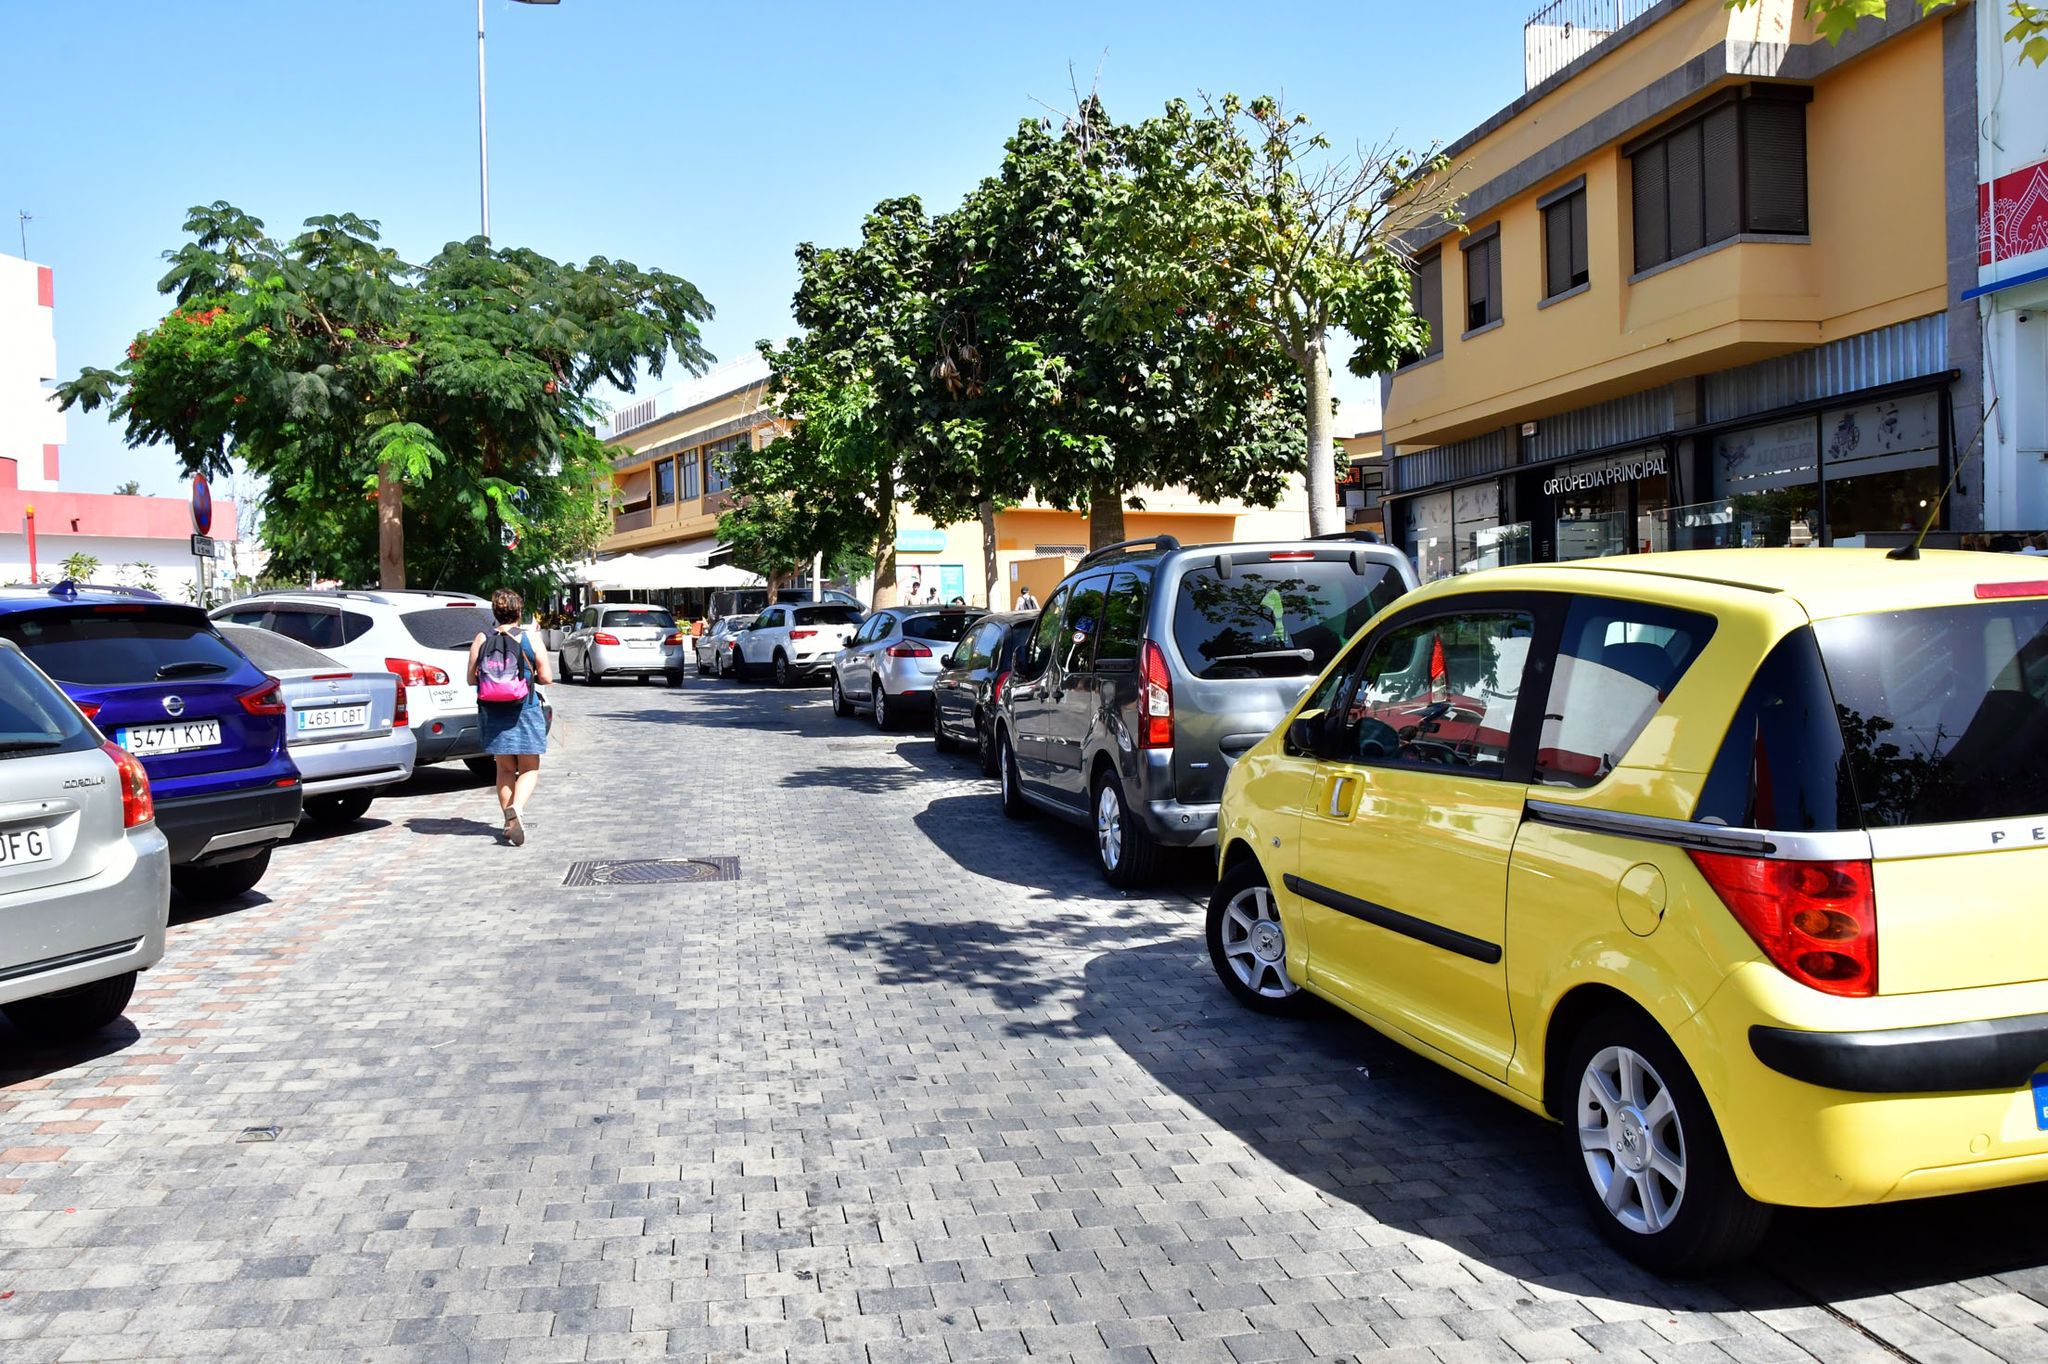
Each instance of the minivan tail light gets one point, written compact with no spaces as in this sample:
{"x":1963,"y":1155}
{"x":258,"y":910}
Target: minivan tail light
{"x":416,"y":674}
{"x":909,"y":648}
{"x":1155,"y":700}
{"x":267,"y":699}
{"x":602,"y":638}
{"x":1816,"y":921}
{"x":672,"y":640}
{"x":138,"y":806}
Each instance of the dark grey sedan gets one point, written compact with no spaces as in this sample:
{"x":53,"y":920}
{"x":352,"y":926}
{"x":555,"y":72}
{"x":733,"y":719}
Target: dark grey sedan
{"x":969,"y":688}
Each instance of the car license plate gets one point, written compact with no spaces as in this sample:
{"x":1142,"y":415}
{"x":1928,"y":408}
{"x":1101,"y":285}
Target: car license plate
{"x":2041,"y":1100}
{"x":639,"y":644}
{"x":332,"y":717}
{"x":19,"y":847}
{"x":147,"y":740}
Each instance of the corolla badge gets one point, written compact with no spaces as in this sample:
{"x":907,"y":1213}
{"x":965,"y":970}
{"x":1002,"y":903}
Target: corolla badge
{"x":174,"y":705}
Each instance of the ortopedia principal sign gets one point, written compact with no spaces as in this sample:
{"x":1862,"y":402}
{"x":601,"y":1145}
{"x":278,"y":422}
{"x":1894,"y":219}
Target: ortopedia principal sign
{"x":1601,"y":475}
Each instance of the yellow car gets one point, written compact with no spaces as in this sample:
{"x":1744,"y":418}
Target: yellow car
{"x":1730,"y":861}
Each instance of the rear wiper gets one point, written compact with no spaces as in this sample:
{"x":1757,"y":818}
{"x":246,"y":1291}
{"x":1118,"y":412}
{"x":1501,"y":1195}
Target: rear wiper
{"x":1305,"y":655}
{"x":191,"y":667}
{"x":28,"y":745}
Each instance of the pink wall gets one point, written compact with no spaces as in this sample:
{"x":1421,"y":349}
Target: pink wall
{"x":142,"y":518}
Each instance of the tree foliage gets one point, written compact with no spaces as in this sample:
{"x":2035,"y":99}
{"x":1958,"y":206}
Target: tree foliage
{"x":1242,"y":205}
{"x":1834,"y":19}
{"x":453,"y":397}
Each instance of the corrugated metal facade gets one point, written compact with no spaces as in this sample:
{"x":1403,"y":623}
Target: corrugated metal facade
{"x":1639,"y":416}
{"x":1485,"y":454}
{"x":1889,"y":355}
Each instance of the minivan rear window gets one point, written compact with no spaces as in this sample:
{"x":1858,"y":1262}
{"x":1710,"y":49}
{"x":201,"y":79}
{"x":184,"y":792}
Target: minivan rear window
{"x":1286,"y":619}
{"x":1944,"y":710}
{"x":118,"y":648}
{"x":644,"y":617}
{"x":447,"y":627}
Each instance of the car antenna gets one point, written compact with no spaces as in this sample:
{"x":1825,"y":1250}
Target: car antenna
{"x":1912,"y":551}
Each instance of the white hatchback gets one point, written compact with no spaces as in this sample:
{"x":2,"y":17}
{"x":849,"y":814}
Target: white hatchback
{"x":423,"y":637}
{"x":85,"y":874}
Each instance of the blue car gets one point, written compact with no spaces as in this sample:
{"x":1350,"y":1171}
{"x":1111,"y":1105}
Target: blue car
{"x":208,"y":725}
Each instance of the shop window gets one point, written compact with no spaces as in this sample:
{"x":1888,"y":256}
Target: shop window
{"x":1616,"y":663}
{"x":1564,"y":242}
{"x":1429,"y":535}
{"x":1739,"y":167}
{"x":1882,"y":465}
{"x":1482,"y":280}
{"x":664,"y":483}
{"x":1427,"y":299}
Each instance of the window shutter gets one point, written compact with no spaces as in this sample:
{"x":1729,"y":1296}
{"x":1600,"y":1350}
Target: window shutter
{"x":1429,"y":299}
{"x":1723,"y":173}
{"x":1776,"y":169}
{"x":1646,"y":168}
{"x":1493,"y":304}
{"x":1479,"y":284}
{"x":1682,"y":168}
{"x":1557,"y":246}
{"x":1581,"y":274}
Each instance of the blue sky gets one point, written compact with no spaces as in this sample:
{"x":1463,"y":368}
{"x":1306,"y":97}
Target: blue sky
{"x":703,"y":139}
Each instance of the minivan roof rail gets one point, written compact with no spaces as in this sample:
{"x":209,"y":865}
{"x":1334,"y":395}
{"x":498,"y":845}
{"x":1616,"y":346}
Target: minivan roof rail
{"x":1157,"y":544}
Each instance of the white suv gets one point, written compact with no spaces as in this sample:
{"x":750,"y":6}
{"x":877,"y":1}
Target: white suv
{"x":423,"y":637}
{"x":793,"y":642}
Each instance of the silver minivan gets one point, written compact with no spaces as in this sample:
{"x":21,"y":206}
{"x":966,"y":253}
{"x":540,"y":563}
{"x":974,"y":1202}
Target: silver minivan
{"x":1154,"y":667}
{"x":85,"y":874}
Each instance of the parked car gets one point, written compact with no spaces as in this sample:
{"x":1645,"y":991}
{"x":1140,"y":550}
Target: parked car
{"x":888,"y":667}
{"x":969,"y":688}
{"x":85,"y":874}
{"x":616,"y":637}
{"x":713,"y":648}
{"x":1154,"y":667}
{"x":207,"y":723}
{"x":421,"y":637}
{"x":748,"y":601}
{"x":1729,"y":861}
{"x":348,"y":732}
{"x":793,"y":643}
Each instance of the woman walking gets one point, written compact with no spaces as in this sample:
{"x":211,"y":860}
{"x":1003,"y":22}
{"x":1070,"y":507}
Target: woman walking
{"x":508,"y":676}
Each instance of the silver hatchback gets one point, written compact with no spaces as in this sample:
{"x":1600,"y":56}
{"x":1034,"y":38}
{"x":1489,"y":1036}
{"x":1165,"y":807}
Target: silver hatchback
{"x":890,"y":664}
{"x":617,"y":637}
{"x":85,"y":874}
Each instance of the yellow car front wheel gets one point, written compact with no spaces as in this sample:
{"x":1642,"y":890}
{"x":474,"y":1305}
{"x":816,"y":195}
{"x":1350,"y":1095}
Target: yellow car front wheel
{"x":1248,"y":943}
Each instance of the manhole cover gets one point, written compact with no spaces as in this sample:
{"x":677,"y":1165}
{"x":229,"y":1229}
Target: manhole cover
{"x":648,"y":871}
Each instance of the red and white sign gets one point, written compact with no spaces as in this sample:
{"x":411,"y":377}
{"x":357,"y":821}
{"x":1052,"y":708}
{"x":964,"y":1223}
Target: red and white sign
{"x":2012,"y":215}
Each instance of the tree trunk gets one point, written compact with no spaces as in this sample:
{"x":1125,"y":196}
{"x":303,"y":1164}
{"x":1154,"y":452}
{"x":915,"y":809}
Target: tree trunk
{"x":1324,"y":516}
{"x":390,"y":528}
{"x":988,"y":559}
{"x":885,"y":545}
{"x":1105,"y":514}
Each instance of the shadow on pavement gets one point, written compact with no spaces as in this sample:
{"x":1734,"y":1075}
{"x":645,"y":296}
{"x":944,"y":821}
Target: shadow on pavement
{"x":865,"y":781}
{"x":1338,"y":1106}
{"x":23,"y":1057}
{"x":314,"y":831}
{"x":467,"y":828}
{"x":186,"y":910}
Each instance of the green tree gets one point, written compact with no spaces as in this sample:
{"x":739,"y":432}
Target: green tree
{"x":1241,"y":208}
{"x":1833,"y":19}
{"x":132,"y":488}
{"x":437,"y":413}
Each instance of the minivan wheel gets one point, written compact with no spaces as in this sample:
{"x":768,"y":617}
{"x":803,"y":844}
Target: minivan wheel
{"x":222,"y":881}
{"x":674,"y":677}
{"x":840,"y":705}
{"x":1126,"y":853}
{"x":1648,"y":1155}
{"x":1248,"y":943}
{"x":75,"y":1012}
{"x":1010,"y":789}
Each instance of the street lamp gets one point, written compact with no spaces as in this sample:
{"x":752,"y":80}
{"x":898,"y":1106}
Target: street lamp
{"x":483,"y":139}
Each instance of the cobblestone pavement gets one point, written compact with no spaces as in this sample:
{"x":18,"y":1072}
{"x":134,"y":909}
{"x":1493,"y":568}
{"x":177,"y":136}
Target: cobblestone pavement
{"x":914,"y":1087}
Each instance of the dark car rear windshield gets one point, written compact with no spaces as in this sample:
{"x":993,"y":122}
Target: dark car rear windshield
{"x":827,"y":615}
{"x":447,"y":627}
{"x":270,"y":651}
{"x":949,"y":627}
{"x":1931,"y":716}
{"x":644,"y":617}
{"x":120,"y":648}
{"x":1285,"y":619}
{"x":34,"y":716}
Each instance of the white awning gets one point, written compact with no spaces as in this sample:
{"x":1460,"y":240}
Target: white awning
{"x":643,"y":572}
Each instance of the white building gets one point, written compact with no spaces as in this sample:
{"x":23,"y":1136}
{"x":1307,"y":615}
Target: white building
{"x":2012,"y":276}
{"x":31,"y":427}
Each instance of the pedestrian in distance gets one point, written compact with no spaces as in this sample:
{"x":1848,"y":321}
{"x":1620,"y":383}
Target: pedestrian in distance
{"x":1025,"y":601}
{"x":508,"y":676}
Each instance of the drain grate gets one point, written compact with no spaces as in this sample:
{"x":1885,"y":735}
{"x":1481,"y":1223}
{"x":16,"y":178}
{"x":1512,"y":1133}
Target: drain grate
{"x":650,"y":871}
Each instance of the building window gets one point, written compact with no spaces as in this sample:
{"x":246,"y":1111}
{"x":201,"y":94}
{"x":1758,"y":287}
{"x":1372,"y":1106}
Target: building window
{"x":691,"y":481}
{"x":664,"y":483}
{"x":1482,"y":280}
{"x":1564,"y":241}
{"x":1739,"y":167}
{"x":718,"y":462}
{"x":1427,"y":299}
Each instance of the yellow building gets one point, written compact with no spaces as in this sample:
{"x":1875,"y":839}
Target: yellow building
{"x":669,"y":485}
{"x":1701,"y":295}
